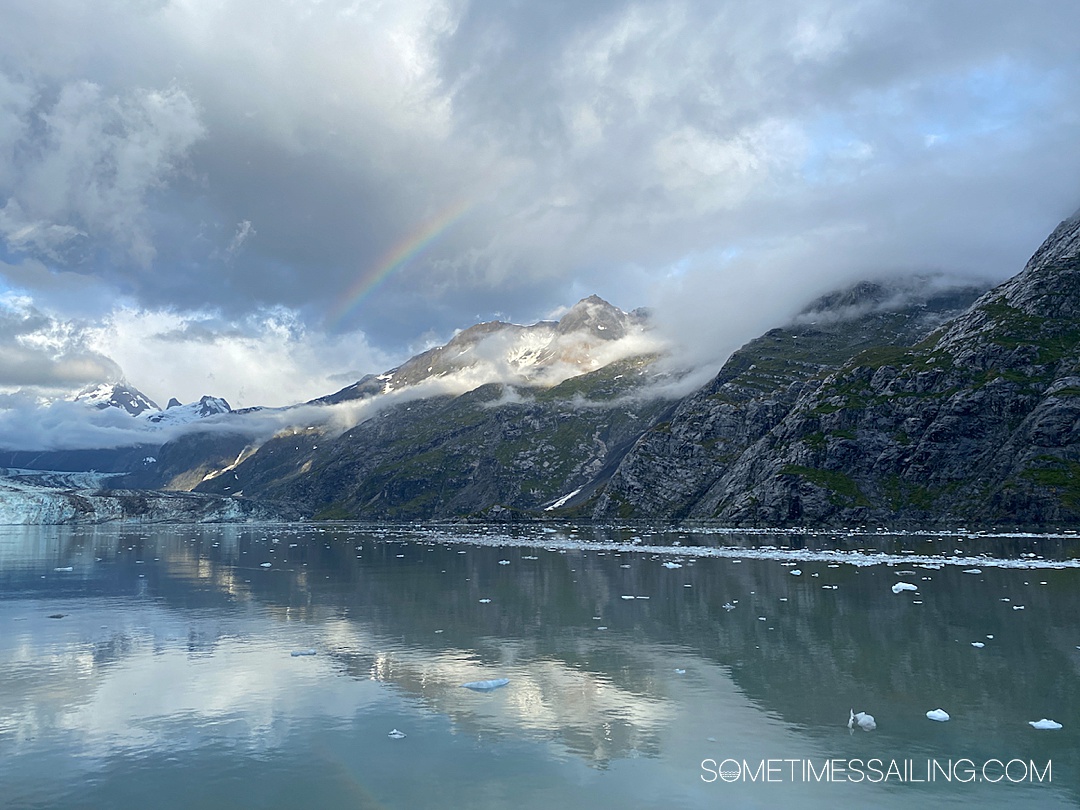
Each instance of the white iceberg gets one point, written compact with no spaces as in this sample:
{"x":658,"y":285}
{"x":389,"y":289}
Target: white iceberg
{"x":298,"y":653}
{"x":862,"y":720}
{"x":977,"y":644}
{"x":1044,"y":724}
{"x":795,"y":573}
{"x":396,"y":735}
{"x":938,"y":714}
{"x":899,"y":587}
{"x":672,"y":565}
{"x":486,"y":686}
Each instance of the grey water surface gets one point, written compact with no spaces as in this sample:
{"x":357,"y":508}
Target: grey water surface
{"x":665,"y":669}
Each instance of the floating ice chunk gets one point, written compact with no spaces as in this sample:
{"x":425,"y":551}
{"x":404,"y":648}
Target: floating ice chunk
{"x":626,"y":597}
{"x":1018,"y":607}
{"x":862,"y":720}
{"x":265,"y":565}
{"x":680,"y":671}
{"x":1044,"y":724}
{"x":484,"y":601}
{"x":977,"y":644}
{"x":972,"y":570}
{"x":69,"y":568}
{"x":504,"y":562}
{"x":396,"y":735}
{"x":899,"y":587}
{"x":485,"y":686}
{"x":795,"y":572}
{"x":298,"y":653}
{"x":672,"y":565}
{"x":602,"y":627}
{"x":729,"y":606}
{"x":938,"y":714}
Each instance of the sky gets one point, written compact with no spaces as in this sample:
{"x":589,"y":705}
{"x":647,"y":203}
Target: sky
{"x":266,"y":201}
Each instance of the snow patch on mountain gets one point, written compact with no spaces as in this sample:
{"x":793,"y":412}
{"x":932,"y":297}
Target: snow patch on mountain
{"x":117,"y":395}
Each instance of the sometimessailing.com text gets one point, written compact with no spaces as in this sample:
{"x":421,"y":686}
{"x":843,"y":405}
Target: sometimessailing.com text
{"x":876,"y":771}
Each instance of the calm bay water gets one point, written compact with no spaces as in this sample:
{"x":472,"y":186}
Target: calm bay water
{"x":158,"y":672}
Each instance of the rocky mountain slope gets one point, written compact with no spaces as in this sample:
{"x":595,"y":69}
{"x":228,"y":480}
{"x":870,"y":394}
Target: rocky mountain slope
{"x":677,"y":468}
{"x":493,"y":450}
{"x":547,"y":412}
{"x":977,"y":423}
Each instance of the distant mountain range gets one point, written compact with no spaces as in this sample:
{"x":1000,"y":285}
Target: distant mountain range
{"x":906,"y":404}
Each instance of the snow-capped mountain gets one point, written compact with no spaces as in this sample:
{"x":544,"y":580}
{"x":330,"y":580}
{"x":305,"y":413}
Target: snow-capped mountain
{"x":117,"y":395}
{"x":177,"y":414}
{"x":126,"y":397}
{"x":591,"y":334}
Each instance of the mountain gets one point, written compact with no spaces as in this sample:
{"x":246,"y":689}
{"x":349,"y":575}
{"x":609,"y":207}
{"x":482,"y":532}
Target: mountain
{"x":546,"y":352}
{"x":494,"y":450}
{"x":117,"y":395}
{"x":678,"y":468}
{"x":547,"y":411}
{"x":976,"y":423}
{"x":178,"y":414}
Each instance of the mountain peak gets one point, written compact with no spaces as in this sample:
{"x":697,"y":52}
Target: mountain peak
{"x":541,"y":353}
{"x":117,"y":395}
{"x":597,"y":317}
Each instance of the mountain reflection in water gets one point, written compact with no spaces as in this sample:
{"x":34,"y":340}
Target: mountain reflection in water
{"x":172,"y":657}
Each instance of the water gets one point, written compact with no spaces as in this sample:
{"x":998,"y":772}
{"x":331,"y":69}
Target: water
{"x":168,"y":681}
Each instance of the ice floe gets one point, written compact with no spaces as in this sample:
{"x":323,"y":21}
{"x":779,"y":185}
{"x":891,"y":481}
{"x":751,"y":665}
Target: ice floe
{"x":861,"y":719}
{"x":1044,"y":724}
{"x":485,"y":686}
{"x":938,"y":714}
{"x":900,"y":587}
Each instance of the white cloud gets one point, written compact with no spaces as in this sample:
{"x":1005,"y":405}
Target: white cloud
{"x":87,"y":163}
{"x":269,"y":358}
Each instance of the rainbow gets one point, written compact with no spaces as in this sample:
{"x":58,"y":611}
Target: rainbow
{"x":398,"y":256}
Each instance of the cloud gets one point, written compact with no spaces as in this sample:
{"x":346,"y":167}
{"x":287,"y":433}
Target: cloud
{"x":724,"y":163}
{"x":86,"y":163}
{"x":41,"y":353}
{"x":269,"y":358}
